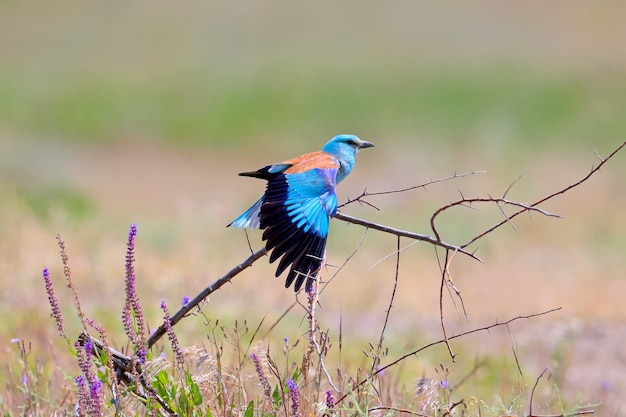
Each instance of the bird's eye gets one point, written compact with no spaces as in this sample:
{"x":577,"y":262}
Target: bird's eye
{"x":352,"y":142}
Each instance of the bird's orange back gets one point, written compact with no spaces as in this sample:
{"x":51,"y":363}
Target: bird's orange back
{"x":308,"y":161}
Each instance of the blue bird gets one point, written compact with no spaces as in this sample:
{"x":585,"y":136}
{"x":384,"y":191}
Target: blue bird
{"x":298,"y":203}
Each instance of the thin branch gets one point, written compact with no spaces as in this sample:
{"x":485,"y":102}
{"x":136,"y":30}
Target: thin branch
{"x":532,"y":393}
{"x":345,"y":262}
{"x":379,"y":347}
{"x":498,"y":201}
{"x":549,"y":197}
{"x":577,"y":413}
{"x":366,"y":193}
{"x":515,"y":355}
{"x":397,"y":410}
{"x":389,"y":255}
{"x":438,"y":342}
{"x":444,"y":273}
{"x":160,"y":331}
{"x":404,"y":233}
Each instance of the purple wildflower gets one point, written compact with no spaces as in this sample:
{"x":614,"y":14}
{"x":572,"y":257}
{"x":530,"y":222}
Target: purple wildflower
{"x":84,"y":361}
{"x":92,"y":399}
{"x":267,"y":389}
{"x":88,"y":347}
{"x":294,"y":396}
{"x":186,"y":300}
{"x":330,"y":401}
{"x":132,"y":307}
{"x":95,"y":394}
{"x":171,"y":335}
{"x":127,"y":321}
{"x":83,"y":397}
{"x":143,"y":355}
{"x":54,"y":302}
{"x":311,"y":297}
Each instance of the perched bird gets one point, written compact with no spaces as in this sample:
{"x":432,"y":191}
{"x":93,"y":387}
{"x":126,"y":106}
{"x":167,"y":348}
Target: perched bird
{"x":298,"y":203}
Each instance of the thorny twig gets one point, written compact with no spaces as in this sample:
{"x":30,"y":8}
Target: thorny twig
{"x":404,"y":233}
{"x":160,"y":331}
{"x":444,"y":274}
{"x":438,"y":342}
{"x":366,"y":193}
{"x":379,"y":346}
{"x":532,"y":393}
{"x":465,"y":202}
{"x":543,"y":200}
{"x":498,"y":201}
{"x":397,"y":410}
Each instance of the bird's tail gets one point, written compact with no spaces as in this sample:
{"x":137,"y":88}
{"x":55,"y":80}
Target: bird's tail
{"x":250,"y":218}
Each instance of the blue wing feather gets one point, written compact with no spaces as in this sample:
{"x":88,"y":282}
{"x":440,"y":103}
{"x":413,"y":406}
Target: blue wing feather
{"x":295,"y":214}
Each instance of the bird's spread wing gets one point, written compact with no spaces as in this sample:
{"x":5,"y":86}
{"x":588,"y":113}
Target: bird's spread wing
{"x":297,"y":205}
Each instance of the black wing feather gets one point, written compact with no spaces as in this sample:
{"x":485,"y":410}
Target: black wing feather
{"x":301,"y":251}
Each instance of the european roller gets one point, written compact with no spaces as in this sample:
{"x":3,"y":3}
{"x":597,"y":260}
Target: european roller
{"x":298,"y":203}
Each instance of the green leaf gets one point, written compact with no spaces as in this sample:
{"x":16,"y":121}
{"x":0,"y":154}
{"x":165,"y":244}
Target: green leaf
{"x":161,"y":384}
{"x":183,"y":404}
{"x":196,"y":396}
{"x":249,"y":410}
{"x":277,"y":397}
{"x":296,"y":374}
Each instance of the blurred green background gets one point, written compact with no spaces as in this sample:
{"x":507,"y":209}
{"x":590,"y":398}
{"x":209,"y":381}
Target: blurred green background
{"x":224,"y":74}
{"x":113,"y":112}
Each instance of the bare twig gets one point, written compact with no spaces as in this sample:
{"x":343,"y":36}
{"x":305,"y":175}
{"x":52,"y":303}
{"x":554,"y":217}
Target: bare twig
{"x":543,"y":200}
{"x":514,"y":349}
{"x":366,"y":193}
{"x":345,"y":262}
{"x":160,"y":331}
{"x":404,"y":233}
{"x":379,"y":347}
{"x":498,"y":201}
{"x":397,"y":410}
{"x":532,"y":393}
{"x":444,"y":273}
{"x":438,"y":342}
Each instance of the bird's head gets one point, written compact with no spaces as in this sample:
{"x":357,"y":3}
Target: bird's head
{"x":344,"y":148}
{"x":346,"y":144}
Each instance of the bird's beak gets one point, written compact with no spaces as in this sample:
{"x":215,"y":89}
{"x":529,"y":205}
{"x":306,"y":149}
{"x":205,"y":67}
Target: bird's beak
{"x":365,"y":144}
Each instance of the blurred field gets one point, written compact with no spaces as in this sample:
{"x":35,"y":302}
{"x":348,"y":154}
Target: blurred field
{"x":145,"y":112}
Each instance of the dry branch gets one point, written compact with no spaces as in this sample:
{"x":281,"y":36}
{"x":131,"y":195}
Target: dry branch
{"x":405,"y":233}
{"x":544,"y":199}
{"x":160,"y":331}
{"x":445,"y":340}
